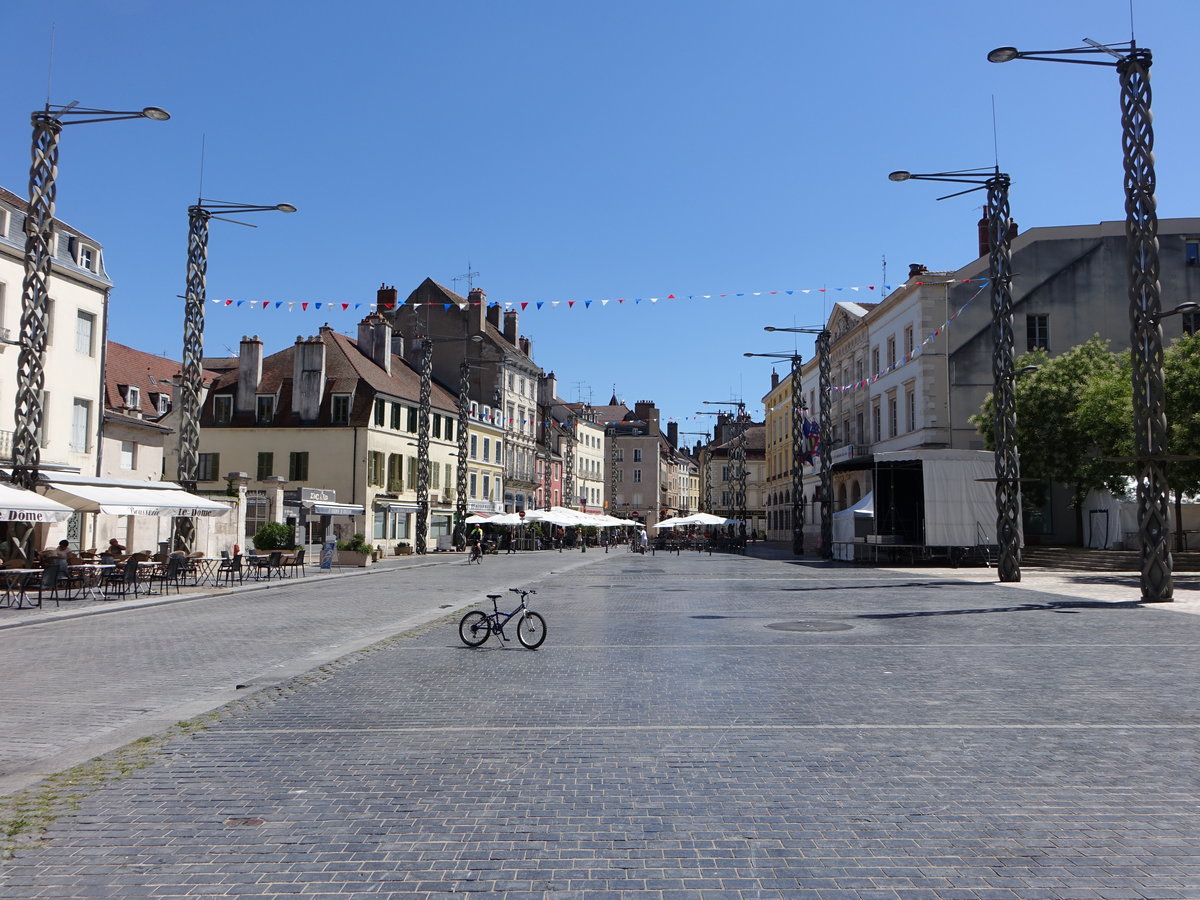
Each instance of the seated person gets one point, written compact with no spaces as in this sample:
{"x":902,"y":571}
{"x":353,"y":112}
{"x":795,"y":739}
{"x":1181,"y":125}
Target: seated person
{"x":115,"y":549}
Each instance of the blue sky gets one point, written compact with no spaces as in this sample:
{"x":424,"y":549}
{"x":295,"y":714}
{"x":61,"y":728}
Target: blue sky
{"x":578,"y":151}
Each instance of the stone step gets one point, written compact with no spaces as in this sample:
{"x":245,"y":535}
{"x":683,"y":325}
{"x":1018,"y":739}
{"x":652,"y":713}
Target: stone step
{"x":1082,"y":559}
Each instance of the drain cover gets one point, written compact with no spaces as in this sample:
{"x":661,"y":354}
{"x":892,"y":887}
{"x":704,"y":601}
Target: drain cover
{"x":810,"y":625}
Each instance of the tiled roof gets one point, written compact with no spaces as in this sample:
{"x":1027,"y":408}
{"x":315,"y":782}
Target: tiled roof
{"x":150,"y":374}
{"x":347,"y":370}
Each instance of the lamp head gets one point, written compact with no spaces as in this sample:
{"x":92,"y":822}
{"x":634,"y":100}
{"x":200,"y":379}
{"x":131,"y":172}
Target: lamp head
{"x":158,"y":115}
{"x":899,"y":176}
{"x":770,"y":328}
{"x":1003,"y":54}
{"x":286,"y":208}
{"x":1188,"y":306}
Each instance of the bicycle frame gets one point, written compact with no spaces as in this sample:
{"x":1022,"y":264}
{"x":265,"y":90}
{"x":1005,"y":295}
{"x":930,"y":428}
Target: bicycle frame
{"x":494,"y":621}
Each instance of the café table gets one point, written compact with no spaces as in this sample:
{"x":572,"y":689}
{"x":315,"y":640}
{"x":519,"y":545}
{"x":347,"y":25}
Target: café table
{"x":14,"y":586}
{"x":91,"y":579}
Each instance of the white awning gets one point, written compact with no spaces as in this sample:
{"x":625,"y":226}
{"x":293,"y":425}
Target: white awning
{"x":334,"y":509}
{"x":396,"y":505}
{"x":135,"y":498}
{"x":17,"y":505}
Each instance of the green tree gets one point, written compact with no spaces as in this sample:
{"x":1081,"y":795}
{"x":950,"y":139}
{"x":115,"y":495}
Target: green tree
{"x":1057,"y":435}
{"x":1108,"y":411}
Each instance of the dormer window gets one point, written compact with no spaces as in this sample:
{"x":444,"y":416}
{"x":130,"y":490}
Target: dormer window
{"x":133,"y":398}
{"x":87,"y":257}
{"x":222,"y":409}
{"x":164,"y":404}
{"x":4,"y":219}
{"x":264,"y":409}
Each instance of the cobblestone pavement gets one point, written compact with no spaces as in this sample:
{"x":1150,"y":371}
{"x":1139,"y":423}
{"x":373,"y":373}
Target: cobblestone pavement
{"x":693,"y":727}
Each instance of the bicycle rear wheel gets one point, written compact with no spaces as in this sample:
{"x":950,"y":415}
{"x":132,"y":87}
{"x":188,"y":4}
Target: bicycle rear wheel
{"x":531,"y":630}
{"x":474,"y":628}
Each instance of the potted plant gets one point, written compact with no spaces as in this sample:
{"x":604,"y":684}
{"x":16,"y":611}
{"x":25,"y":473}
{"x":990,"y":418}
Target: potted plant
{"x":403,"y":548}
{"x":355,"y":552}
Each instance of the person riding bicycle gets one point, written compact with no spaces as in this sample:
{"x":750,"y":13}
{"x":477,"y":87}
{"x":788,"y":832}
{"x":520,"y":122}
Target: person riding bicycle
{"x":476,"y":538}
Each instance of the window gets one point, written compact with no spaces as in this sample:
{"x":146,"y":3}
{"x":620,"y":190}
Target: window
{"x":133,"y":398}
{"x":1037,"y":332}
{"x":298,"y":465}
{"x":876,"y":423}
{"x":3,"y":223}
{"x":499,"y":461}
{"x":1191,"y":251}
{"x":1191,"y":322}
{"x":163,"y":404}
{"x":485,"y":488}
{"x":874,"y":360}
{"x":380,"y":412}
{"x":266,"y":466}
{"x":81,"y":422}
{"x":412,"y":420}
{"x":893,"y":420}
{"x":128,"y":455}
{"x":474,"y":446}
{"x":87,"y":257}
{"x":486,"y":449}
{"x":511,"y":414}
{"x":397,"y":409}
{"x":435,"y":477}
{"x":222,"y":409}
{"x":637,"y":454}
{"x":637,"y":476}
{"x":264,"y":409}
{"x":449,"y":428}
{"x":891,"y":352}
{"x":910,"y":398}
{"x":208,"y":467}
{"x":620,"y":452}
{"x":908,"y":342}
{"x":437,"y":425}
{"x":395,"y":473}
{"x":375,"y":468}
{"x":85,"y":330}
{"x":472,"y":480}
{"x":339,"y":409}
{"x":412,"y":471}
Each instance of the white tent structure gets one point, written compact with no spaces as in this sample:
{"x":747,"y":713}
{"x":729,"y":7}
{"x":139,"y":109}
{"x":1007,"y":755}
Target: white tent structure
{"x":18,"y":505}
{"x":845,"y":526}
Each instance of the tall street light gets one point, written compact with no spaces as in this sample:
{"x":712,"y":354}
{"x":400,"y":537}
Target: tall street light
{"x":35,"y":288}
{"x":199,"y":215}
{"x":797,"y":450}
{"x":825,"y":391}
{"x":1141,"y":230}
{"x":1004,"y":420}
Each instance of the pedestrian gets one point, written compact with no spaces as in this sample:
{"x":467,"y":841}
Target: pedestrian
{"x":115,"y":549}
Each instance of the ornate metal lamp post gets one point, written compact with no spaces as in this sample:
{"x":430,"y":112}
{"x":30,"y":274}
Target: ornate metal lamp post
{"x":199,"y":215}
{"x":824,"y":392}
{"x":737,"y":456}
{"x":1004,"y":422}
{"x":797,"y":450}
{"x":35,"y":288}
{"x":1141,"y":229}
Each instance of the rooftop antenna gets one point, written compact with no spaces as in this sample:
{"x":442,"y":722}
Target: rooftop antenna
{"x":468,"y":277}
{"x":883,"y":284}
{"x":995,"y":134}
{"x":203,"y":138}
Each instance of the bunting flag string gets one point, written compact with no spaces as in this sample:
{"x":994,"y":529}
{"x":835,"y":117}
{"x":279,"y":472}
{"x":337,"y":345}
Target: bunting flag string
{"x":346,"y":306}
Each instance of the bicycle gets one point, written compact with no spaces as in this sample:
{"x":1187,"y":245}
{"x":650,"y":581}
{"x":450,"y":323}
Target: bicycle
{"x":476,"y":626}
{"x":476,"y":553}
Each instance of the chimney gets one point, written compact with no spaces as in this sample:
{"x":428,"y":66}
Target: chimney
{"x":774,"y":379}
{"x":985,"y":247}
{"x":397,"y":344}
{"x":477,"y":312}
{"x":673,"y":434}
{"x":510,"y":327}
{"x":250,"y":360}
{"x":308,"y":377}
{"x":527,"y":347}
{"x":375,"y":340}
{"x":493,"y":315}
{"x":646,"y":411}
{"x":915,"y":269}
{"x":385,"y":298}
{"x":549,"y":388}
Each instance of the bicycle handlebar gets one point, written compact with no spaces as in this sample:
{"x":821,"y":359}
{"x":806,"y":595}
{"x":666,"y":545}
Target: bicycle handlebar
{"x":521,"y":591}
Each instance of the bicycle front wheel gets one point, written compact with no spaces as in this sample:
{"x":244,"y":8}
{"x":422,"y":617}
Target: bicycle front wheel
{"x":531,"y":630}
{"x":474,"y":628}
